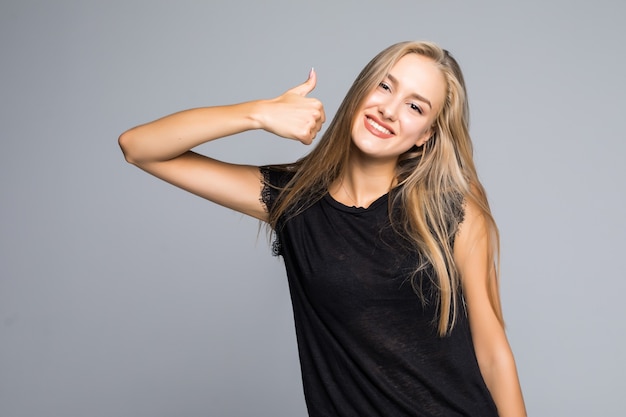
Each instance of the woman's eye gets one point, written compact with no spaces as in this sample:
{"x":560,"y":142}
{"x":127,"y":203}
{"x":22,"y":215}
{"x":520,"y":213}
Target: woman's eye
{"x":384,"y":86}
{"x":416,"y":108}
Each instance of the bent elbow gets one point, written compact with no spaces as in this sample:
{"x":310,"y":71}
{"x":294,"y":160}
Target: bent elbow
{"x":125,"y":142}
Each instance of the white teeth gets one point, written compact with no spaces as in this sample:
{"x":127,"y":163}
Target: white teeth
{"x":378,"y":127}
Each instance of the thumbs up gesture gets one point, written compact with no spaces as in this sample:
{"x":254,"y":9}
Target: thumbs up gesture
{"x":293,"y":115}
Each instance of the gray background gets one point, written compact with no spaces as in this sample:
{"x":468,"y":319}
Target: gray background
{"x":123,"y":296}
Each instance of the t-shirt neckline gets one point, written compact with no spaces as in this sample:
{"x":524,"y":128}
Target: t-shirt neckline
{"x":353,"y":209}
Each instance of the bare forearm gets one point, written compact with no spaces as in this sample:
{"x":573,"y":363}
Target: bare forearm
{"x":173,"y":135}
{"x":503,"y":383}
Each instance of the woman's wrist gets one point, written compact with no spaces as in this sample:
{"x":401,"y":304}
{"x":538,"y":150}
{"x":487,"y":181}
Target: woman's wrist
{"x":256,"y":113}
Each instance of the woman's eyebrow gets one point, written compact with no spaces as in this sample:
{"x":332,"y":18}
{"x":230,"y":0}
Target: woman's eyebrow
{"x":394,"y":81}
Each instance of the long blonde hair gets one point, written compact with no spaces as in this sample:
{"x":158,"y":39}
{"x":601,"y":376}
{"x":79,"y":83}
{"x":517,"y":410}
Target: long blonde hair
{"x":434,"y":180}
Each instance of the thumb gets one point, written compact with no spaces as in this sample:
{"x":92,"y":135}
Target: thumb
{"x":307,"y":86}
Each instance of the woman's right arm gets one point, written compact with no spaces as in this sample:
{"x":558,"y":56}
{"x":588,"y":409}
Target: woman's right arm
{"x":163,"y":147}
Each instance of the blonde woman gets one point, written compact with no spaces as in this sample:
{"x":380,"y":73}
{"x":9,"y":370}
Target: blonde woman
{"x":389,"y":244}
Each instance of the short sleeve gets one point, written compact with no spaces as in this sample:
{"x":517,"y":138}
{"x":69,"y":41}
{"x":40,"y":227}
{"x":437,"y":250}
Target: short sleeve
{"x":273,"y":182}
{"x":456,"y":216}
{"x":269,"y":191}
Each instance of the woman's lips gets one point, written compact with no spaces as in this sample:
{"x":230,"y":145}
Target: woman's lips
{"x":378,"y":128}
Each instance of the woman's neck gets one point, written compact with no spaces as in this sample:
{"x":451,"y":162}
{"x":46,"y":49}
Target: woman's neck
{"x":363,"y":182}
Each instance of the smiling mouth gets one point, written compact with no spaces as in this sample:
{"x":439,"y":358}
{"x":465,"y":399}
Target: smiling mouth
{"x":378,"y":127}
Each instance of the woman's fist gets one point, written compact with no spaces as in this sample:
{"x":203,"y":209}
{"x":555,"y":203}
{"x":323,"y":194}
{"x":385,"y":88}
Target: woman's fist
{"x":293,"y":115}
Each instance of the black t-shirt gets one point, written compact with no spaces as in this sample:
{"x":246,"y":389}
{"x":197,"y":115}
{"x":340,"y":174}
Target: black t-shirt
{"x":368,"y":345}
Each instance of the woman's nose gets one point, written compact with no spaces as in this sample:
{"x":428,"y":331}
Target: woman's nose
{"x":388,"y":109}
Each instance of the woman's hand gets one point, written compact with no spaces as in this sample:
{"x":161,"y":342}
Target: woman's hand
{"x":293,"y":115}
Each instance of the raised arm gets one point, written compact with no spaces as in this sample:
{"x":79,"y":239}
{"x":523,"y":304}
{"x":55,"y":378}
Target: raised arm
{"x":163,"y":147}
{"x":493,"y":352}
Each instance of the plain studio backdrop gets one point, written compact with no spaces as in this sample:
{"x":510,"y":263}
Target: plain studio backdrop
{"x":124,"y":296}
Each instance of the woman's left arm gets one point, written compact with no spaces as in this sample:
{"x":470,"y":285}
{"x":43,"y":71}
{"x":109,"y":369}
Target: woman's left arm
{"x":494,"y":355}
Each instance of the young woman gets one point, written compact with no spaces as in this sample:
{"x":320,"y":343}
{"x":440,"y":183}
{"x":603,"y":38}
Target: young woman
{"x":389,"y":244}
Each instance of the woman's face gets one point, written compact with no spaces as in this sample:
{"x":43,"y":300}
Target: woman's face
{"x":401,"y":110}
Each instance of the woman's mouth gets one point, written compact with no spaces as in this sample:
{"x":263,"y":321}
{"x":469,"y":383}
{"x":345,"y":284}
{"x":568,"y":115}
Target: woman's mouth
{"x":377,"y":129}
